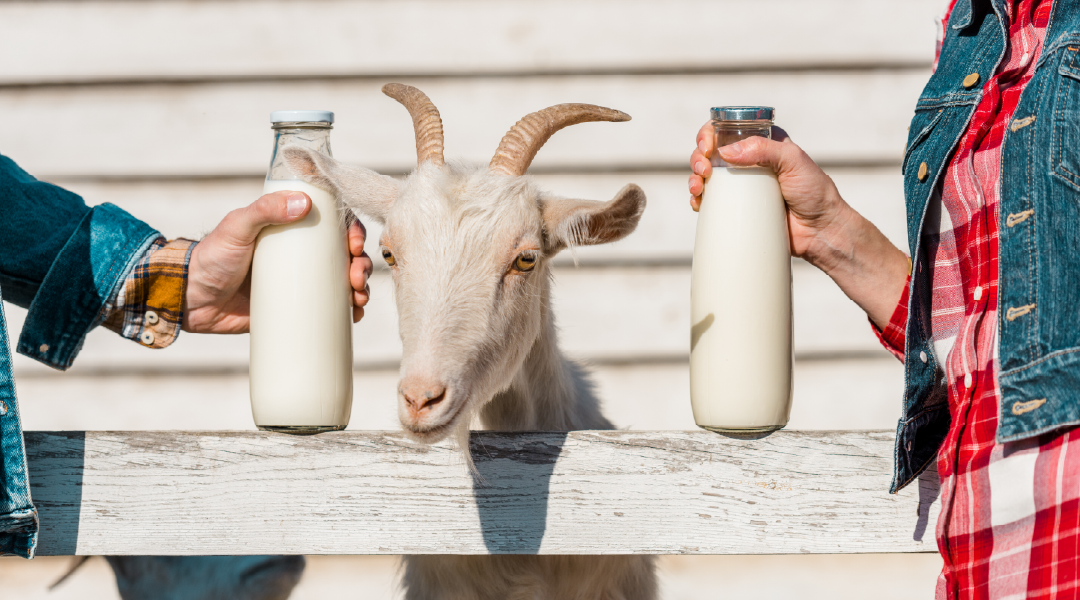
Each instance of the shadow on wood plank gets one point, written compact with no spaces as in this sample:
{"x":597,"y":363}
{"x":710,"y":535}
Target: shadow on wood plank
{"x":55,"y":463}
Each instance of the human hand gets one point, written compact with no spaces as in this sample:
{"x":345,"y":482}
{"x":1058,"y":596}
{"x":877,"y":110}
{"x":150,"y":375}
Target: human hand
{"x":813,"y":202}
{"x":219,"y":273}
{"x":824,"y":229}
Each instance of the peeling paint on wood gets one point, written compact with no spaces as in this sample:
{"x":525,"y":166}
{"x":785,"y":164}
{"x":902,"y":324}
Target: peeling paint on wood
{"x":376,"y":492}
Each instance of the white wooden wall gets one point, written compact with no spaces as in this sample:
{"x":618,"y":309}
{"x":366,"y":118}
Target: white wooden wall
{"x":162,"y":108}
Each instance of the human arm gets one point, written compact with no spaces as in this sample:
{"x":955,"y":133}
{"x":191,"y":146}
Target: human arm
{"x":825,"y":231}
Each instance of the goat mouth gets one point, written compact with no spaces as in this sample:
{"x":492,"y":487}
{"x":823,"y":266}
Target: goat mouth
{"x":435,"y":432}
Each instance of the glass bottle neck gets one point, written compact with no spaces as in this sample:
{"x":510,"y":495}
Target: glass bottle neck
{"x":729,"y":132}
{"x":315,"y":136}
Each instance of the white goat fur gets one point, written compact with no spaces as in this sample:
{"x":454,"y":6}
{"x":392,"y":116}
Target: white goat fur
{"x":483,"y":331}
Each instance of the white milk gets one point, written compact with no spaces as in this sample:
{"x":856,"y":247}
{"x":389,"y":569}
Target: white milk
{"x":740,"y":347}
{"x":301,"y":319}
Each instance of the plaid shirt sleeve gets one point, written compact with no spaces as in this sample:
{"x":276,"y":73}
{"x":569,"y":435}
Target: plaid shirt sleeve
{"x":149,"y":305}
{"x":894,"y":335}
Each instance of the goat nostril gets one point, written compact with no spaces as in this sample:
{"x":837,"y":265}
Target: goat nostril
{"x":432,"y":400}
{"x":419,"y":400}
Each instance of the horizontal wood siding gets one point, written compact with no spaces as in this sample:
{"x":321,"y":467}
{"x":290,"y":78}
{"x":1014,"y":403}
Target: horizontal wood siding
{"x":584,"y":492}
{"x":851,"y":393}
{"x":222,"y":129}
{"x":135,"y":41}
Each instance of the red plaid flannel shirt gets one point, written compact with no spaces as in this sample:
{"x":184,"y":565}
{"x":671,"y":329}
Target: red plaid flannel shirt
{"x":1010,"y":512}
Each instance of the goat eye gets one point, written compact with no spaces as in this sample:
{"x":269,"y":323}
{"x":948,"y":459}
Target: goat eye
{"x":525,"y":262}
{"x":388,"y":257}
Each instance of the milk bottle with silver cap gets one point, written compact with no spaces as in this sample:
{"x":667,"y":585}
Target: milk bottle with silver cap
{"x":741,"y":320}
{"x":301,"y":310}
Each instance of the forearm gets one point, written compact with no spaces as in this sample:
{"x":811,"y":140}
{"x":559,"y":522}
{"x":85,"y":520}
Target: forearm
{"x":866,"y":266}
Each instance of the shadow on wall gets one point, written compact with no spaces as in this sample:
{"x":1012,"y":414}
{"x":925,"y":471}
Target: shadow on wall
{"x":511,"y":489}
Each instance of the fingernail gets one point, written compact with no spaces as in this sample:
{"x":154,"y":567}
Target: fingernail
{"x":295,"y":205}
{"x":699,"y":168}
{"x":703,"y":147}
{"x":730,"y":151}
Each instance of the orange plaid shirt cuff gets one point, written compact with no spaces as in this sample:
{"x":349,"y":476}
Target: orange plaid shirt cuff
{"x":149,"y":306}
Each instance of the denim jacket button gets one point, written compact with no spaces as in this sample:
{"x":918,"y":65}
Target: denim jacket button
{"x":151,"y":317}
{"x":970,"y":81}
{"x":924,"y":170}
{"x":147,"y":337}
{"x":923,"y":357}
{"x":43,"y":348}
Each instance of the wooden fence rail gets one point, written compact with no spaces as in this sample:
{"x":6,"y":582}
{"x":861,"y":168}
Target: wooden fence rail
{"x":376,"y":492}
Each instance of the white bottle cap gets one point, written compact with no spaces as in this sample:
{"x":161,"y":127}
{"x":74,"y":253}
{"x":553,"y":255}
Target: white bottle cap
{"x":301,"y":116}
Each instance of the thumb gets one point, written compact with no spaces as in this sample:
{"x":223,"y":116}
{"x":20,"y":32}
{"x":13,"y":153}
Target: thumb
{"x":755,"y":151}
{"x":242,"y":226}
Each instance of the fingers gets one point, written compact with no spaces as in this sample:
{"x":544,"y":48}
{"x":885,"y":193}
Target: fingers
{"x":695,"y":201}
{"x":359,"y":272}
{"x":243,"y":225}
{"x":357,"y":314}
{"x":357,"y":238}
{"x":705,"y":139}
{"x":700,"y":164}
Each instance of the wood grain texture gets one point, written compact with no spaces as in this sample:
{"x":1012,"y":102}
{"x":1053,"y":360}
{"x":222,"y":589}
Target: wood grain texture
{"x":585,"y":492}
{"x":213,"y":129}
{"x":66,"y":42}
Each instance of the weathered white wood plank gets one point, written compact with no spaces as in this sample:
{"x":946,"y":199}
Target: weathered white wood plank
{"x":191,"y":208}
{"x":123,"y":41}
{"x":847,"y":116}
{"x":604,"y":314}
{"x":829,"y":395}
{"x":585,"y":492}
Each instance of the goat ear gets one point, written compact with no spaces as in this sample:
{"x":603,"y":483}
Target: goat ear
{"x":569,"y":222}
{"x":360,"y":189}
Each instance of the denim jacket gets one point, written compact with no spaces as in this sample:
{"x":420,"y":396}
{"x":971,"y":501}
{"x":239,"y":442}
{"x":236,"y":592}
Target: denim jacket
{"x":1039,"y":254}
{"x":63,"y":260}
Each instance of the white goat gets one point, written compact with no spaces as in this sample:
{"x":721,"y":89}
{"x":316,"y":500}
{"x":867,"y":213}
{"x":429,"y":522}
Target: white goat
{"x":470,"y":251}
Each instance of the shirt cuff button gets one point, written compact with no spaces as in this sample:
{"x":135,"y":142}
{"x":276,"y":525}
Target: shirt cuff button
{"x":147,"y":337}
{"x":151,"y":317}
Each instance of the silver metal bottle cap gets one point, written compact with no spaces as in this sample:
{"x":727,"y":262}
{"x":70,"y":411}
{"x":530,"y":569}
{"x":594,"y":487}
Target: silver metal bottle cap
{"x":742,"y":113}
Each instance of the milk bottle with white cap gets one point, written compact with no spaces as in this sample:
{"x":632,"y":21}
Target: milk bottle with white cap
{"x":301,"y":309}
{"x":741,"y":321}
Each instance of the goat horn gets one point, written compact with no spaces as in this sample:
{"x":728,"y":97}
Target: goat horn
{"x":426,"y":121}
{"x":520,"y":145}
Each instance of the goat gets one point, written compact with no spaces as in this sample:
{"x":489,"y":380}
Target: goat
{"x":470,"y":250}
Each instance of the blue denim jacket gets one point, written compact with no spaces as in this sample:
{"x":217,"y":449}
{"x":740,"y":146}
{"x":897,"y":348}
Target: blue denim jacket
{"x":1039,"y":256}
{"x":63,"y":260}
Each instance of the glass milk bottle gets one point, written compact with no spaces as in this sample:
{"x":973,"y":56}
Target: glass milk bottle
{"x":740,"y":294}
{"x":301,"y":309}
